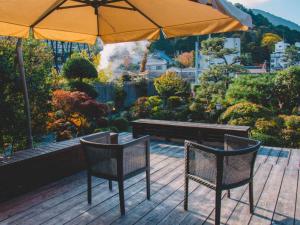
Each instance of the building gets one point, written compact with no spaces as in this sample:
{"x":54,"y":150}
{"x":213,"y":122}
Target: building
{"x":157,"y":64}
{"x":277,"y":61}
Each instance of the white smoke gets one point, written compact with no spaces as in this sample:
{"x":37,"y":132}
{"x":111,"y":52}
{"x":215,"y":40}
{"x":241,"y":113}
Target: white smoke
{"x":113,"y":55}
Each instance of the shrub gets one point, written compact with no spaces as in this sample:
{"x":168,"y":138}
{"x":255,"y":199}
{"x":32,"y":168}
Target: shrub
{"x":270,"y":127}
{"x":253,"y":88}
{"x":266,"y":139}
{"x":171,"y":84}
{"x":245,"y":113}
{"x":147,"y":107}
{"x":120,"y":123}
{"x":174,"y":102}
{"x":83,"y":87}
{"x":74,"y":112}
{"x":291,"y":131}
{"x":287,"y":88}
{"x":79,"y":67}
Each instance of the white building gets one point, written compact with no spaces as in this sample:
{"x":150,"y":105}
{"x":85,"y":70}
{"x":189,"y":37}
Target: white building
{"x":232,"y":43}
{"x":277,"y":57}
{"x":157,"y":64}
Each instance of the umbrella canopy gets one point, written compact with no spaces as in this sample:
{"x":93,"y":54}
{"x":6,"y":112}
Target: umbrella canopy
{"x":118,"y":20}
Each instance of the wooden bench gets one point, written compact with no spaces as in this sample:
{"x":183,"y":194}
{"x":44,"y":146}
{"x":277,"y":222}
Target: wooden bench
{"x":201,"y":132}
{"x":31,"y":168}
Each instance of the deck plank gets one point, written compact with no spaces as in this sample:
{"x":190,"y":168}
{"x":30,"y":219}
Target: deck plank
{"x":45,"y":205}
{"x":263,"y":212}
{"x":242,"y":207}
{"x":295,"y":159}
{"x":276,"y":195}
{"x":297,"y":207}
{"x":132,"y":187}
{"x":285,"y":207}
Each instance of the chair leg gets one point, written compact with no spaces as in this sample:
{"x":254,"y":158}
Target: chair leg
{"x":121,"y":196}
{"x":228,"y":193}
{"x":89,"y":187}
{"x":251,"y":197}
{"x":186,"y":193}
{"x":218,"y":207}
{"x":110,"y":185}
{"x":148,"y":183}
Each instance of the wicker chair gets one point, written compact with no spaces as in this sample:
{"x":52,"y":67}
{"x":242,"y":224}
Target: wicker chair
{"x":221,"y":169}
{"x":116,"y":161}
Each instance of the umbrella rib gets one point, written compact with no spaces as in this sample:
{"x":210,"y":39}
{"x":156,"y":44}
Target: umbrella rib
{"x":143,"y":14}
{"x":49,"y":11}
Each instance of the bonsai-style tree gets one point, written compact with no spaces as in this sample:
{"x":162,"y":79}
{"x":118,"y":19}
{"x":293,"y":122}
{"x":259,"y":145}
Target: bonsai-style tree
{"x":215,"y":81}
{"x":78,"y":67}
{"x":185,"y":59}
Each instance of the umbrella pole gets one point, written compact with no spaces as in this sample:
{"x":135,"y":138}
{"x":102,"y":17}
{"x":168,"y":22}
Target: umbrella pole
{"x":25,"y":92}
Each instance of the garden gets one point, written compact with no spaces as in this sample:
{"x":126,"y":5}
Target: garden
{"x":65,"y":105}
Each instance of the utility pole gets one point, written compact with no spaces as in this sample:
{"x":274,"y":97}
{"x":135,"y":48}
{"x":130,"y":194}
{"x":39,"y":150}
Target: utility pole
{"x":197,"y":60}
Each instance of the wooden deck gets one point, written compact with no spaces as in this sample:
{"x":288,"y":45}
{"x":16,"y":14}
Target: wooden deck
{"x":276,"y":184}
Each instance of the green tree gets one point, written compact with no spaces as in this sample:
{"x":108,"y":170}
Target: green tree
{"x":171,"y":84}
{"x":215,"y":81}
{"x":269,"y":40}
{"x":78,"y":67}
{"x":292,"y":55}
{"x":38,"y":63}
{"x":287,"y":89}
{"x":258,"y":89}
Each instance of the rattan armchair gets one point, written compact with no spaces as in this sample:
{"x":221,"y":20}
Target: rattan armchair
{"x":116,"y":161}
{"x":221,"y":169}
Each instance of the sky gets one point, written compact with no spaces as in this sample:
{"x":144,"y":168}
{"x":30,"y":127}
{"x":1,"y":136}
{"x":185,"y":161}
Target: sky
{"x":287,"y":9}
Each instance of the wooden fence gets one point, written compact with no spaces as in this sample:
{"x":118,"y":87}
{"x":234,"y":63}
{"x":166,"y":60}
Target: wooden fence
{"x":107,"y":92}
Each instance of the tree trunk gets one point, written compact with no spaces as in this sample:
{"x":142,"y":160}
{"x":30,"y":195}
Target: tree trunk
{"x":25,"y":92}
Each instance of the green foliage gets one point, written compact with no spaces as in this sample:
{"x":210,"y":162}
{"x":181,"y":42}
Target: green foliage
{"x":38,"y":63}
{"x":171,"y":84}
{"x":252,"y":88}
{"x":290,"y":133}
{"x":120,"y":94}
{"x":174,"y":102}
{"x":79,"y":67}
{"x":120,"y":123}
{"x":83,"y":87}
{"x":287,"y":89}
{"x":292,"y":56}
{"x":245,"y":113}
{"x":145,"y":107}
{"x":215,"y":48}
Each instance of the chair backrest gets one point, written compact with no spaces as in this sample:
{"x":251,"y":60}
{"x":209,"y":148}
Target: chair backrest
{"x":230,"y":166}
{"x":239,"y":163}
{"x":101,"y":157}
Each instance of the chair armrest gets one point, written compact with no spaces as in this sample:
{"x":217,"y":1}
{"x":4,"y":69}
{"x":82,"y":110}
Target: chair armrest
{"x":201,"y":162}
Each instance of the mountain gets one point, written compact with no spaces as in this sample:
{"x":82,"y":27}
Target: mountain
{"x":276,"y":20}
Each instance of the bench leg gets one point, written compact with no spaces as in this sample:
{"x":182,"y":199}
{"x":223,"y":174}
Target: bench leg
{"x":228,"y":193}
{"x":148,"y":183}
{"x":110,"y":185}
{"x":89,"y":187}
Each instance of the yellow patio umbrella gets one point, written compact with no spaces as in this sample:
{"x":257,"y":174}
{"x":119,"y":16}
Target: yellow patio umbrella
{"x":114,"y":21}
{"x":118,"y":20}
